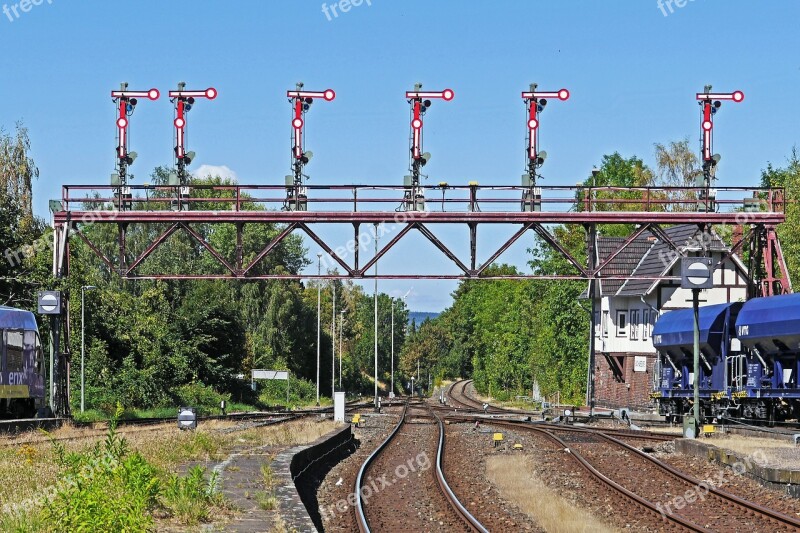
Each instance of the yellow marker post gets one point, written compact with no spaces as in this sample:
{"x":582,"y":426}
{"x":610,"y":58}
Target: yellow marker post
{"x":497,"y":438}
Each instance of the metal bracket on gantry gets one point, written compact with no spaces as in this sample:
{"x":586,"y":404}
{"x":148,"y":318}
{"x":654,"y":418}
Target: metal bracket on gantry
{"x":710,"y":103}
{"x":420,"y":102}
{"x":296,"y":194}
{"x":183,"y":101}
{"x":125,"y":102}
{"x":535,"y":103}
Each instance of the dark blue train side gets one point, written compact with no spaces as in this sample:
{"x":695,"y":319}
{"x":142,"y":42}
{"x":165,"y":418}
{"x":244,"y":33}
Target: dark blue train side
{"x":749,"y":360}
{"x":22,"y":389}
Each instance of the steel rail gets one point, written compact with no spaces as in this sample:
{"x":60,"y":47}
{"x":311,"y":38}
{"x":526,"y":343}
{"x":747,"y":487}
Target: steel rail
{"x":452,"y":498}
{"x":761,"y":510}
{"x":460,"y":510}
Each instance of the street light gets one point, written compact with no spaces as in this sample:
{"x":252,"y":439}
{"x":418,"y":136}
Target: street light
{"x":333,"y":343}
{"x":319,"y":308}
{"x":341,"y":327}
{"x":83,"y":343}
{"x":376,"y":317}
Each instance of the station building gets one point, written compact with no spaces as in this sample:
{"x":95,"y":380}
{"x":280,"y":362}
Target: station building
{"x":627,"y":310}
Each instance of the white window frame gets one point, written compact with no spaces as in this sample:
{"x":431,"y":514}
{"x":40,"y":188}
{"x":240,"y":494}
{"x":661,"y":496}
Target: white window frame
{"x":605,"y":324}
{"x":622,"y":328}
{"x":646,"y":324}
{"x":634,"y":324}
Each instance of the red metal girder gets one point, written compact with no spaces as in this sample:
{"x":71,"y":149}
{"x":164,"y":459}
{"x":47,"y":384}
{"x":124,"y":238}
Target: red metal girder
{"x":440,"y":245}
{"x":736,"y":247}
{"x":544,"y":234}
{"x":506,"y":245}
{"x":632,"y":237}
{"x":326,"y":248}
{"x":273,"y":243}
{"x":150,"y":249}
{"x":455,"y":277}
{"x":378,"y":217}
{"x":99,"y":253}
{"x":661,"y":234}
{"x":199,"y":238}
{"x":385,"y":249}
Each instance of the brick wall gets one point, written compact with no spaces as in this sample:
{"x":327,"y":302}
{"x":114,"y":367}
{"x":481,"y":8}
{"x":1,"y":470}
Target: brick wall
{"x":633,"y":392}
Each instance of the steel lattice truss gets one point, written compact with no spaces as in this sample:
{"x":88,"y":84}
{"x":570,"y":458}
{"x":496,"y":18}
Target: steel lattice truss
{"x":646,"y":208}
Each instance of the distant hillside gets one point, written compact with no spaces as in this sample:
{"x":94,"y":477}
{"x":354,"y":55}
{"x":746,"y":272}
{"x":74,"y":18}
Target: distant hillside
{"x":420,"y":316}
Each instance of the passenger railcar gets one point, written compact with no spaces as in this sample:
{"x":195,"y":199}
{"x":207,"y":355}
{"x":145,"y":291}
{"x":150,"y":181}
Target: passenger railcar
{"x":22,"y":389}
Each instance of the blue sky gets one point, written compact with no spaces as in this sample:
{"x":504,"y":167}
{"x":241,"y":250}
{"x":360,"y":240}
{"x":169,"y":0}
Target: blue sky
{"x":632,"y":73}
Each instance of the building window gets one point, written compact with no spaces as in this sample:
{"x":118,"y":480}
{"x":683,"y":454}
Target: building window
{"x":622,"y":323}
{"x":635,"y":324}
{"x":597,"y":325}
{"x":605,"y":324}
{"x":651,"y":323}
{"x":645,"y":324}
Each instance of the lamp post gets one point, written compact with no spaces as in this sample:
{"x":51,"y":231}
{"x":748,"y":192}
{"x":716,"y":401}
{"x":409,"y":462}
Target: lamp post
{"x":376,"y":318}
{"x":333,"y":341}
{"x":341,"y":328}
{"x":83,"y":343}
{"x":319,"y":308}
{"x":391,"y":387}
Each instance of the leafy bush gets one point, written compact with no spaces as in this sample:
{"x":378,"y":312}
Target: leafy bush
{"x":190,"y":498}
{"x":301,"y":392}
{"x":199,"y":395}
{"x":107,"y":488}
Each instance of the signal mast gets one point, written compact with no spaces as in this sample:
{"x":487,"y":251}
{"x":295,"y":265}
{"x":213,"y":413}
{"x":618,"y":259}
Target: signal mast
{"x":710,"y":104}
{"x":420,"y":101}
{"x":125,"y":102}
{"x":184,"y":101}
{"x":535,"y":103}
{"x":296,"y":195}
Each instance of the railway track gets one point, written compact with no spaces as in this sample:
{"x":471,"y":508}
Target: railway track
{"x":644,"y":480}
{"x":245,"y":421}
{"x":475,"y":408}
{"x":393,"y":509}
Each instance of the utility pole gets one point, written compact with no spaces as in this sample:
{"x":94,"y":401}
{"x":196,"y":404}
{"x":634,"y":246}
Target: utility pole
{"x":333,"y":341}
{"x":319,"y":310}
{"x":341,"y":334}
{"x":391,"y":390}
{"x":376,"y":318}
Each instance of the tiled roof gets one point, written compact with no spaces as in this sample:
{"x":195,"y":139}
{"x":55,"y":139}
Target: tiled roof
{"x":647,"y":255}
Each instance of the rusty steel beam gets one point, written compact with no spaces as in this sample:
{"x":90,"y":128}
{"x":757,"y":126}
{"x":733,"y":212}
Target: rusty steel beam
{"x":360,"y":272}
{"x":505,"y":246}
{"x":453,"y":277}
{"x":155,"y":244}
{"x":271,"y":246}
{"x":98,"y":252}
{"x":441,"y":246}
{"x":199,"y":238}
{"x":552,"y":241}
{"x":379,"y":217}
{"x":327,"y":249}
{"x":632,"y":237}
